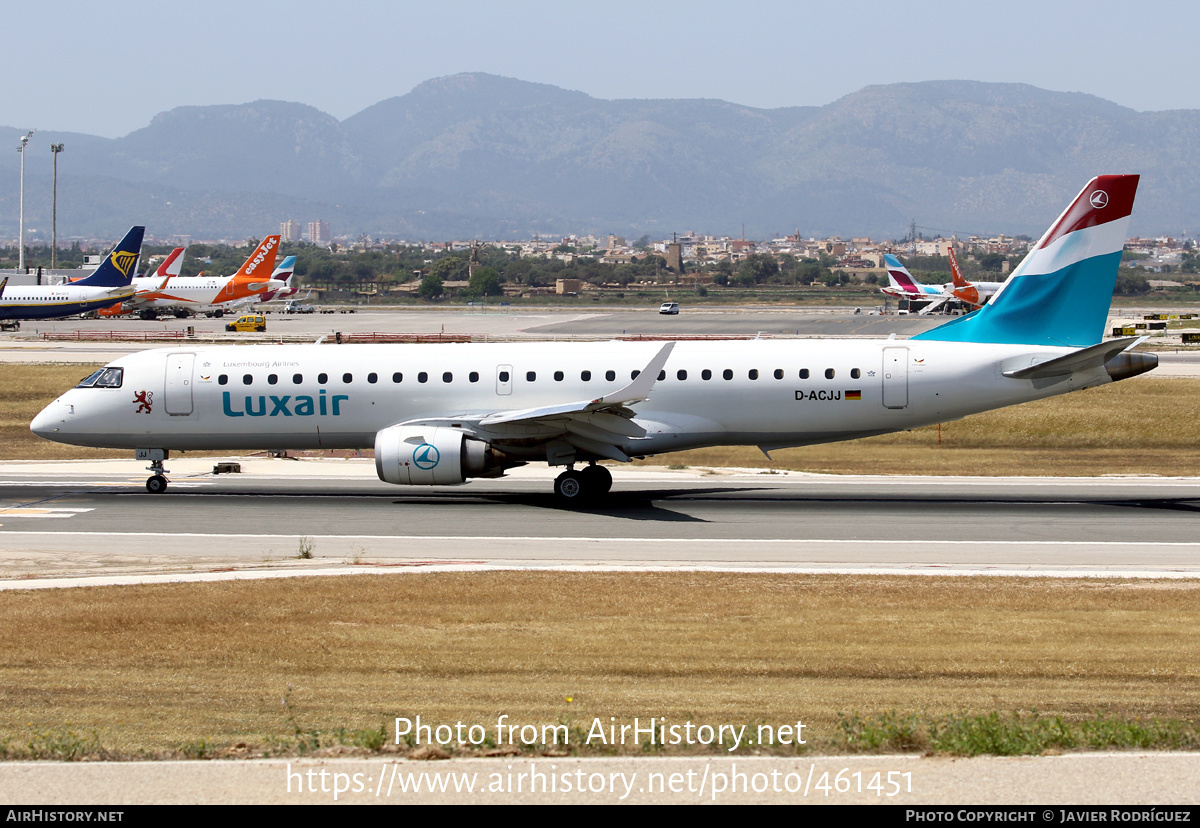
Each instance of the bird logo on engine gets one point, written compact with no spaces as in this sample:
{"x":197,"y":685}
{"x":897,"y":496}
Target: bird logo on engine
{"x":426,"y":456}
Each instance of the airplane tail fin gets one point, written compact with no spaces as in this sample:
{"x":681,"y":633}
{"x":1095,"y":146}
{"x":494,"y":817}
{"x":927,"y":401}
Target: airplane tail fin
{"x":117,"y":269}
{"x":172,"y":265}
{"x":956,"y":275}
{"x":285,"y":270}
{"x":899,"y":277}
{"x":261,"y":261}
{"x":1060,"y":294}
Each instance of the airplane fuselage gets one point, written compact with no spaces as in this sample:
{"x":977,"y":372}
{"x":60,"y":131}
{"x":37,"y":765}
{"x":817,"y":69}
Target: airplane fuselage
{"x":41,"y":302}
{"x":196,"y":293}
{"x":771,"y":393}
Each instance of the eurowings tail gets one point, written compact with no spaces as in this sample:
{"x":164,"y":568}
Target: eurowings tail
{"x":901,"y":283}
{"x":118,"y":267}
{"x":1060,"y":294}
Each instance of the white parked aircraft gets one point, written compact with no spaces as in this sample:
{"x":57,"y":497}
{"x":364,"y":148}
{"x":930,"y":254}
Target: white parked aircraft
{"x":107,"y":285}
{"x":167,"y":292}
{"x":440,"y":414}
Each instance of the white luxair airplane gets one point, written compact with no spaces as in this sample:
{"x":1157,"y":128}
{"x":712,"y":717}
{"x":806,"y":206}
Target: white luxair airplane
{"x":107,"y":285}
{"x":440,"y":414}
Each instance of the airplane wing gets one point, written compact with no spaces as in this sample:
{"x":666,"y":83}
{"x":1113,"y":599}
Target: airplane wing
{"x":594,"y":426}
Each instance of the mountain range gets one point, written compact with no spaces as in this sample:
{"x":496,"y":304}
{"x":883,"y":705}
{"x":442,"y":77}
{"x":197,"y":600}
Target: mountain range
{"x":481,"y":156}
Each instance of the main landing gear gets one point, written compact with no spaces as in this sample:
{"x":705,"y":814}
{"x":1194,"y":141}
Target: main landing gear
{"x":589,"y":483}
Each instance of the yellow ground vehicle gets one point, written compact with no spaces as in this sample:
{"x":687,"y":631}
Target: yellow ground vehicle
{"x":249,"y":322}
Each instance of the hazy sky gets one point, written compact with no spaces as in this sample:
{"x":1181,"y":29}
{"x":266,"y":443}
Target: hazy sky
{"x":107,"y":68}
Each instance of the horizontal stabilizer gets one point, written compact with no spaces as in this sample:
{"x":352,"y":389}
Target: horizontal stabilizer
{"x":936,"y":304}
{"x":1081,"y":360}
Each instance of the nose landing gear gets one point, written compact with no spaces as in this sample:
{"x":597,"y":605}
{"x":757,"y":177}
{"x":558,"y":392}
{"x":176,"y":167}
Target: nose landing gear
{"x":156,"y":483}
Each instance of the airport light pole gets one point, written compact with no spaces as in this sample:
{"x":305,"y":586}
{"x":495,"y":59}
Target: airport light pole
{"x":21,"y":231}
{"x":56,"y":149}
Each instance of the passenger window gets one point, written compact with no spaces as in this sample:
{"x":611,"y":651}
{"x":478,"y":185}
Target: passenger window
{"x":778,"y":373}
{"x":586,"y":376}
{"x":447,"y":377}
{"x":504,"y":376}
{"x":223,"y":379}
{"x":753,"y":373}
{"x":347,"y":378}
{"x":803,"y":373}
{"x":297,"y":379}
{"x":322,"y":378}
{"x":829,"y":373}
{"x":855,"y":373}
{"x":634,"y":374}
{"x":473,"y":376}
{"x":397,"y":377}
{"x":247,"y":379}
{"x":727,"y":374}
{"x":422,"y":377}
{"x":272,"y":379}
{"x":662,"y":375}
{"x":610,"y":375}
{"x":558,"y":376}
{"x":372,"y":378}
{"x":681,"y":374}
{"x":706,"y":374}
{"x":531,"y":376}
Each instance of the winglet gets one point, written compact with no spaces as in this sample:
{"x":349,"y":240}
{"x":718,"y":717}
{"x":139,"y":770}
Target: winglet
{"x":639,"y":389}
{"x":3,"y":285}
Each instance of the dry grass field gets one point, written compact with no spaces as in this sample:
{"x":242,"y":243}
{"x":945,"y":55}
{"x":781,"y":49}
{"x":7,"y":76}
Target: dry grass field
{"x":278,"y":666}
{"x":1143,"y":426}
{"x":269,"y":664}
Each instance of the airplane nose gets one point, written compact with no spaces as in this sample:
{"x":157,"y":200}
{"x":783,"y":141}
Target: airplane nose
{"x":49,"y":420}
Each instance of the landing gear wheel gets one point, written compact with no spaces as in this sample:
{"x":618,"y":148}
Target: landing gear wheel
{"x":597,"y":480}
{"x":570,"y":487}
{"x":156,"y":484}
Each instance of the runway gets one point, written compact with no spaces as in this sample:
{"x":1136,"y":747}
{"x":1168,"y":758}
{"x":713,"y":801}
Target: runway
{"x":95,"y":519}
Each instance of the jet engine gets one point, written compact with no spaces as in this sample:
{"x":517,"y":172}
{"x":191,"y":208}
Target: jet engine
{"x":433,"y":456}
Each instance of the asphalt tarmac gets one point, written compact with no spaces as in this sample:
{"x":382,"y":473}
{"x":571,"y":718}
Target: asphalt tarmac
{"x":52,"y":516}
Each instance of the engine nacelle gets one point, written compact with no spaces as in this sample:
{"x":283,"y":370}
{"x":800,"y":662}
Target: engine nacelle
{"x":431,"y":456}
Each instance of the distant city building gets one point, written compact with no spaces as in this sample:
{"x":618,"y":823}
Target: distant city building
{"x":290,"y":230}
{"x":318,"y":232}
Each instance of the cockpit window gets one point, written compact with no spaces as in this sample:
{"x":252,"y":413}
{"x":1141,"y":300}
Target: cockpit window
{"x":104,"y":378}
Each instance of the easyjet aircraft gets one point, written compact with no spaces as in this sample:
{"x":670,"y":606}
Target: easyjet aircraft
{"x":974,"y":294}
{"x":167,"y":292}
{"x":438,"y":414}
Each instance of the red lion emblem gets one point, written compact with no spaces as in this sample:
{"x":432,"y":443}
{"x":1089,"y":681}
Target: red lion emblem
{"x":145,"y":400}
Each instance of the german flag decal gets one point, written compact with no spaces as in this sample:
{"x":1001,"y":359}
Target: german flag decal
{"x":854,"y":395}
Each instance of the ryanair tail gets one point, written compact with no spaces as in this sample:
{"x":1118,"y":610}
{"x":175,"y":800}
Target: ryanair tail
{"x":1060,"y":294}
{"x":118,"y":268}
